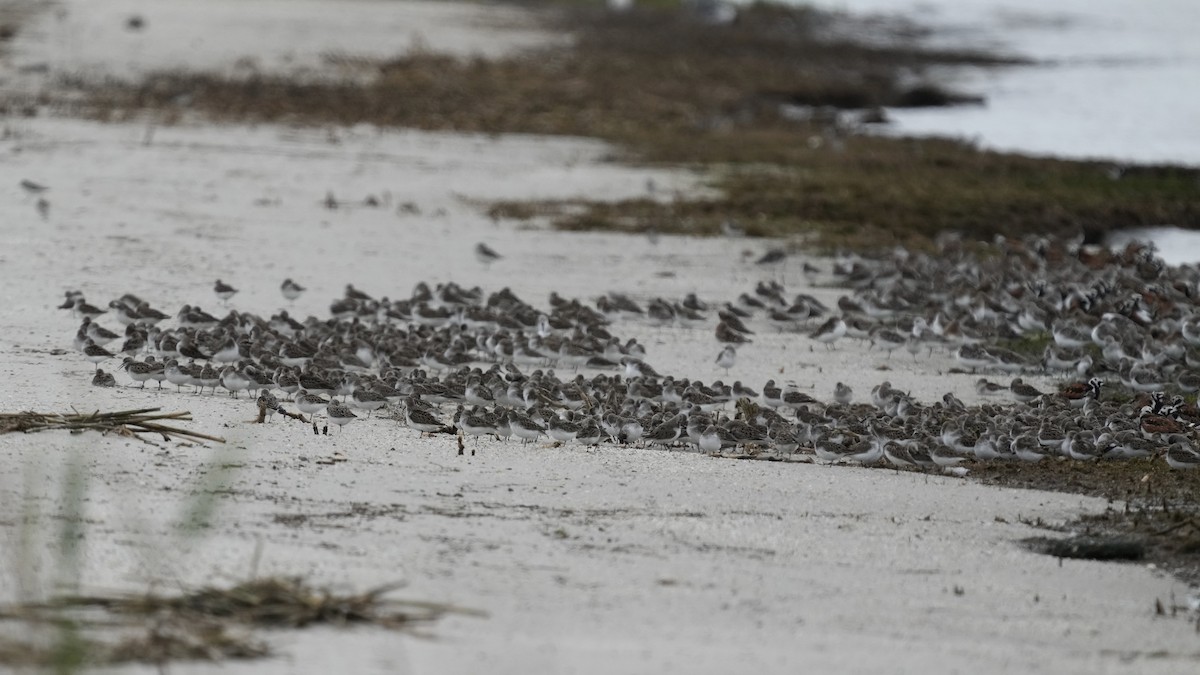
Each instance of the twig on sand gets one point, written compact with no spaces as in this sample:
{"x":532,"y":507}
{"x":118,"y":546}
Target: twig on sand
{"x":262,"y":414}
{"x":123,"y":422}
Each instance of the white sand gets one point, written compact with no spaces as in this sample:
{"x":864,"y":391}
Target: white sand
{"x":616,"y":560}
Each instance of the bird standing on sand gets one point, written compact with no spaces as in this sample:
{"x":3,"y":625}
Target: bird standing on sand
{"x":771,"y":257}
{"x":830,"y":331}
{"x":32,"y":187}
{"x":103,"y":379}
{"x":485,"y":254}
{"x":339,"y":414}
{"x":421,"y":420}
{"x":95,"y":353}
{"x":726,"y":333}
{"x":727,"y":357}
{"x":291,"y":290}
{"x":223,"y":290}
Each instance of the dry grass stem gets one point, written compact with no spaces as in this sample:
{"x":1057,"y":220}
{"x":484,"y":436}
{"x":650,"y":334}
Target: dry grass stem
{"x":124,"y":422}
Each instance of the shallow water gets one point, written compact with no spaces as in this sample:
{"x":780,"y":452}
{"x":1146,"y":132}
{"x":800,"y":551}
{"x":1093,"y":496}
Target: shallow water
{"x":1114,"y":80}
{"x":1176,"y":246}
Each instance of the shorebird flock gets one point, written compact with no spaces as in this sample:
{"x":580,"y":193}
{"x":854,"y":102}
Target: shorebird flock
{"x":1120,"y":328}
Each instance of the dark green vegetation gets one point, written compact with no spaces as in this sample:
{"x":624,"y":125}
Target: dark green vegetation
{"x":671,"y":89}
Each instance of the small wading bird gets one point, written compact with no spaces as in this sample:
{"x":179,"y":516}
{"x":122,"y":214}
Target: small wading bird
{"x":727,"y":357}
{"x":485,"y":255}
{"x":223,"y":290}
{"x":33,"y":188}
{"x":291,"y":290}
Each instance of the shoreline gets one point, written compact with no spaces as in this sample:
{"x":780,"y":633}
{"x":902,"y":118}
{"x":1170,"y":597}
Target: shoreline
{"x":483,"y":532}
{"x":608,"y":560}
{"x":723,"y":109}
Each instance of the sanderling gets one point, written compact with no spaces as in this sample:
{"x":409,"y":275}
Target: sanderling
{"x":95,"y":353}
{"x":138,"y":371}
{"x":1027,"y":448}
{"x":666,"y":433}
{"x":638,"y":368}
{"x":365,"y":399}
{"x":795,"y":399}
{"x":1181,"y":455}
{"x":728,"y":334}
{"x":772,"y":396}
{"x":209,"y":377}
{"x":945,"y":457}
{"x":783,"y":438}
{"x":177,"y":375}
{"x":897,"y":455}
{"x":474,"y":423}
{"x":888,"y":340}
{"x":973,"y":356}
{"x":710,"y":439}
{"x":561,"y":430}
{"x":523,"y":427}
{"x":1025,"y":393}
{"x":727,"y":357}
{"x":353,"y":293}
{"x":291,"y":290}
{"x":1188,"y":381}
{"x":865,"y":451}
{"x":421,"y":420}
{"x":1144,"y":378}
{"x":98,"y":334}
{"x":1007,"y":360}
{"x":829,"y":332}
{"x":223,"y":290}
{"x":589,"y":433}
{"x":632,"y":430}
{"x":775,"y":255}
{"x":339,"y":414}
{"x":309,"y":403}
{"x":71,"y":297}
{"x":828,"y":451}
{"x":739,"y":390}
{"x":83,"y":310}
{"x":234,"y":380}
{"x":985,"y":387}
{"x":103,"y":379}
{"x":485,"y":255}
{"x":32,"y":187}
{"x":734,"y":321}
{"x":1081,"y":446}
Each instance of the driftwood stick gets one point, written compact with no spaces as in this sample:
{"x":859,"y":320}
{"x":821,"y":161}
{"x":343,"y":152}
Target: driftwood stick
{"x":262,"y":415}
{"x":126,"y":422}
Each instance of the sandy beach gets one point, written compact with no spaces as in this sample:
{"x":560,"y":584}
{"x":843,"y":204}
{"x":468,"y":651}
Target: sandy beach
{"x":608,"y":560}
